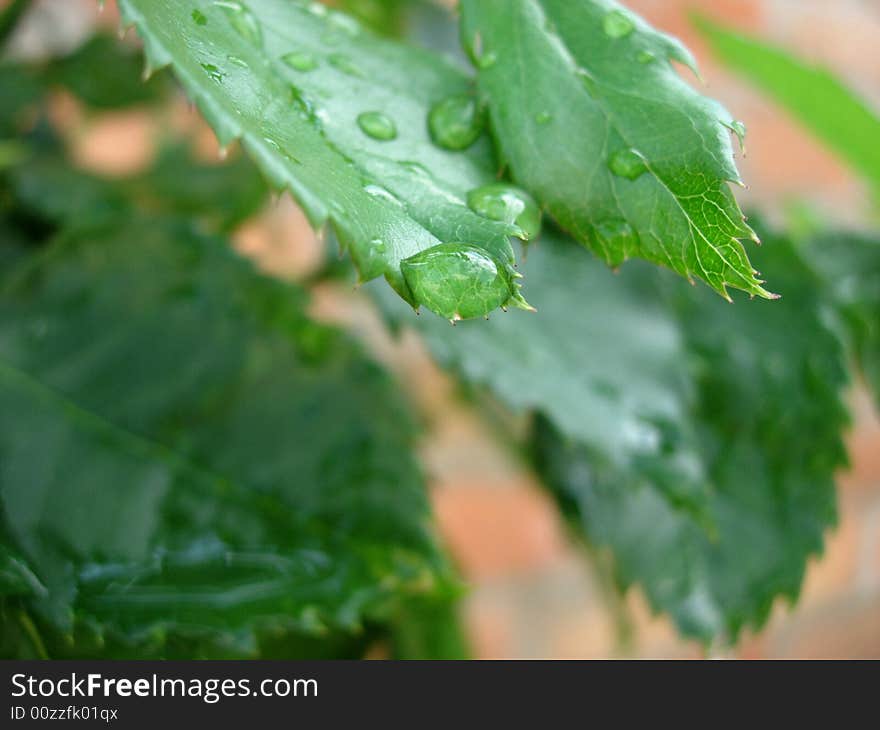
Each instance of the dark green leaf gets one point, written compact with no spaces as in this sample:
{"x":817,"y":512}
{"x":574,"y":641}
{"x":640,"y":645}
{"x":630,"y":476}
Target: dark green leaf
{"x":337,"y":116}
{"x":848,"y":263}
{"x":593,"y":119}
{"x":190,"y":466}
{"x":696,"y":439}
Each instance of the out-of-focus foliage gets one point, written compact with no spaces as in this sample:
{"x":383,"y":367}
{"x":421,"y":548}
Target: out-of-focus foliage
{"x":696,"y":439}
{"x":596,"y":123}
{"x":848,"y":263}
{"x":188,"y":459}
{"x":819,"y":100}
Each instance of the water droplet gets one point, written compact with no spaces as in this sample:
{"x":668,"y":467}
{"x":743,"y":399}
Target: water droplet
{"x":587,"y":81}
{"x":481,"y":58}
{"x":645,"y":57}
{"x":236,"y":61}
{"x":300,"y":61}
{"x":199,"y":17}
{"x":508,"y":204}
{"x":243,"y":20}
{"x":343,"y":63}
{"x":617,"y":238}
{"x":455,"y":123}
{"x":378,"y":245}
{"x":319,"y":10}
{"x":377,"y":191}
{"x":377,"y":125}
{"x":617,"y":24}
{"x":487,"y":60}
{"x":345,"y":23}
{"x":543,"y":117}
{"x":460,"y":281}
{"x":215,"y":73}
{"x":628,"y":163}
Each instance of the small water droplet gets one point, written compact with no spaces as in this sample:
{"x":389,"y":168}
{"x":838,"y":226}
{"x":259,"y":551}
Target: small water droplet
{"x":618,"y":238}
{"x":617,"y":24}
{"x":215,"y":73}
{"x":628,"y":163}
{"x":300,"y":61}
{"x":543,"y":117}
{"x":345,"y":23}
{"x":377,"y":191}
{"x":482,"y":58}
{"x":456,"y":122}
{"x":243,"y":20}
{"x":645,"y":57}
{"x":508,"y":204}
{"x":199,"y":17}
{"x":319,"y":10}
{"x":378,"y":245}
{"x":237,"y":61}
{"x":377,"y":125}
{"x":587,"y":81}
{"x":343,"y":63}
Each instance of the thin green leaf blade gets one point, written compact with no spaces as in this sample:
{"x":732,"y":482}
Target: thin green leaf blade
{"x":595,"y":122}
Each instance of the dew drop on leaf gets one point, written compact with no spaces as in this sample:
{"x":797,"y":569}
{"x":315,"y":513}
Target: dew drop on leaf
{"x":617,"y":24}
{"x":300,"y":61}
{"x":460,"y":281}
{"x":508,"y":204}
{"x":627,"y":163}
{"x":377,"y":125}
{"x":237,"y":61}
{"x":378,"y":245}
{"x":199,"y":17}
{"x":343,"y":63}
{"x":455,"y":123}
{"x":215,"y":73}
{"x":243,"y":20}
{"x":615,"y":234}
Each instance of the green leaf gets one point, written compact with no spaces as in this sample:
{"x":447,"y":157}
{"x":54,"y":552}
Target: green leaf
{"x":694,"y":439}
{"x":222,"y":195}
{"x":593,"y":119}
{"x":827,"y":107}
{"x":337,"y":116}
{"x":190,"y":466}
{"x":848,"y":264}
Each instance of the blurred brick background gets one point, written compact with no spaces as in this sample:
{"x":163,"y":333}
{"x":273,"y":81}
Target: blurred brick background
{"x":532,"y":594}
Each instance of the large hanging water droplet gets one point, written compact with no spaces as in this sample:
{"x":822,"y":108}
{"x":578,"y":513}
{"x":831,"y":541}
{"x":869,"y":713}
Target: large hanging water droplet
{"x":243,"y":20}
{"x":215,"y":73}
{"x":199,"y":17}
{"x":617,"y":24}
{"x":508,"y":204}
{"x":617,"y":238}
{"x":628,"y":163}
{"x":343,"y":63}
{"x":455,"y":123}
{"x":460,"y":281}
{"x":377,"y":125}
{"x":300,"y":61}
